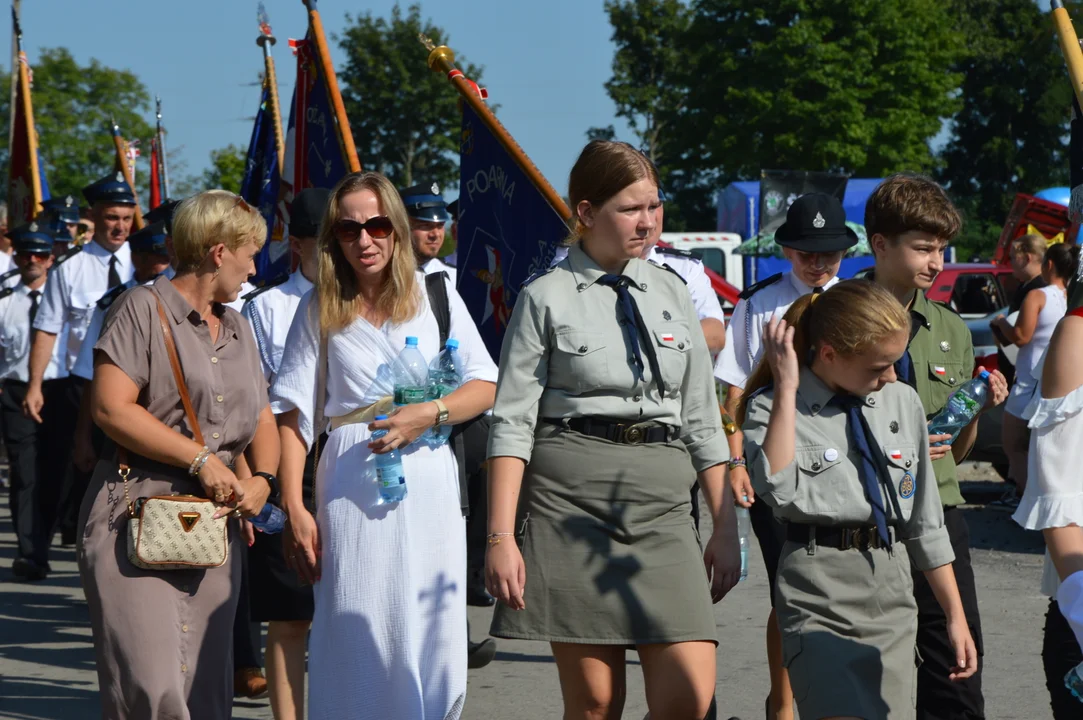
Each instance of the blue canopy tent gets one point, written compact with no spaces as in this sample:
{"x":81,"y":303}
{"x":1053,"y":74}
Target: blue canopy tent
{"x":739,"y":212}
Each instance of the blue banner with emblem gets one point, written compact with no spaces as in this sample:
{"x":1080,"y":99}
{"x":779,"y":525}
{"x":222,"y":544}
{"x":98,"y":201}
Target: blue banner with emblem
{"x":259,"y":188}
{"x":507,"y":230}
{"x":319,"y":160}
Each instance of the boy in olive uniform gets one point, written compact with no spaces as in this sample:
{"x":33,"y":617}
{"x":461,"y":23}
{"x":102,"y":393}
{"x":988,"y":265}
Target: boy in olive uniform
{"x":910,"y":220}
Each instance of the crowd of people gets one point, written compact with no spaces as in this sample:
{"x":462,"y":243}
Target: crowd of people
{"x":568,"y":494}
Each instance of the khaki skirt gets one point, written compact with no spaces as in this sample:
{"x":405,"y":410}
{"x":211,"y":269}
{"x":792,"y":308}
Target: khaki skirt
{"x":612,"y":555}
{"x":849,"y":627}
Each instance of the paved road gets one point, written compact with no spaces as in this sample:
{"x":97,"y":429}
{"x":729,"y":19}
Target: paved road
{"x":47,"y":661}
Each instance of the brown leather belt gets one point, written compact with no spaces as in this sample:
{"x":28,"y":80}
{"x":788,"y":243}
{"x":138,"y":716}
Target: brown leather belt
{"x":840,"y":538}
{"x":616,"y":431}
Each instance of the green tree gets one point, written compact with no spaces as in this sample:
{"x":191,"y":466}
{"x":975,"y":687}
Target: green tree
{"x":74,"y":106}
{"x":227,"y":169}
{"x":857,"y":86}
{"x":404,"y":117}
{"x":1011,"y":134}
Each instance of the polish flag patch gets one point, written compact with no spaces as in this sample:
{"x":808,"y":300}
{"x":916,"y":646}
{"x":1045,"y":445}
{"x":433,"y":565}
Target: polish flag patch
{"x":896,"y":454}
{"x":667,"y":338}
{"x":939,"y":370}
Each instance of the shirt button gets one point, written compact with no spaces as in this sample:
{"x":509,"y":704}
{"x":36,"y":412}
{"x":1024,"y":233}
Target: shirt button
{"x":816,"y":465}
{"x":215,"y":435}
{"x":581,"y":287}
{"x":643,"y":286}
{"x":219,"y":398}
{"x":951,"y":381}
{"x":184,"y":628}
{"x":582,"y":348}
{"x":872,"y":401}
{"x":680,"y":346}
{"x":909,"y":463}
{"x":214,"y":360}
{"x":637,"y":398}
{"x":184,"y":588}
{"x":184,"y":668}
{"x":815,"y":408}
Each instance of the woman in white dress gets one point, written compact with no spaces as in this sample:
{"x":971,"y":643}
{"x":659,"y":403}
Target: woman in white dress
{"x":389,"y":632}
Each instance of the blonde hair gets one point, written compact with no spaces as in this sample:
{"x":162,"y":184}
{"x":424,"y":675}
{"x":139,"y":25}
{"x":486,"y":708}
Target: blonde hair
{"x":337,"y":289}
{"x":603,"y":169}
{"x":851,"y":317}
{"x":212,"y":217}
{"x":1032,"y":244}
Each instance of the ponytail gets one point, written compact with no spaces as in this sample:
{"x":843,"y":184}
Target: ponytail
{"x":798,"y":317}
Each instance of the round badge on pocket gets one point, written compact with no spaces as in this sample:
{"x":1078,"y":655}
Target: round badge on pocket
{"x":906,"y":487}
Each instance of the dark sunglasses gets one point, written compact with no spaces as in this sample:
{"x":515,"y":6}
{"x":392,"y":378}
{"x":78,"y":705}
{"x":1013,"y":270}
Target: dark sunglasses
{"x":42,"y":256}
{"x":377,"y":227}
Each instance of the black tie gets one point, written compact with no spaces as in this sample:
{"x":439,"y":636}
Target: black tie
{"x":114,"y":276}
{"x":861,"y":435}
{"x":630,"y":311}
{"x":35,"y":300}
{"x":817,"y":290}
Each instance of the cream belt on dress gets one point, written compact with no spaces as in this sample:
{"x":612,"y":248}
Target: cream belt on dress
{"x":364,"y":415}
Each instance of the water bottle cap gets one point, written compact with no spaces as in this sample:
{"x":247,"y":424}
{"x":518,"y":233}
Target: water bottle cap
{"x":984,"y":374}
{"x":411,"y":341}
{"x":452,"y":343}
{"x":381,"y":417}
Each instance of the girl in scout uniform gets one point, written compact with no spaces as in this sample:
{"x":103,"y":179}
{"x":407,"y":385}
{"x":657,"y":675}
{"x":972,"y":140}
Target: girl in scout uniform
{"x":840,"y":451}
{"x":605,"y":415}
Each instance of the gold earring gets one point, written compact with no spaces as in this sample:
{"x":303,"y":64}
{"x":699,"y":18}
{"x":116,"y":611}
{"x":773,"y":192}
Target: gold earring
{"x":216,"y":271}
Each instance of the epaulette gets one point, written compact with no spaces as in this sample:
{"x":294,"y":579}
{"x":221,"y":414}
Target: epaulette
{"x":270,"y":284}
{"x":72,"y":252}
{"x":667,"y":267}
{"x":108,"y":298}
{"x":756,"y":287}
{"x":9,"y":274}
{"x":5,"y":292}
{"x":674,"y":251}
{"x":536,"y":275}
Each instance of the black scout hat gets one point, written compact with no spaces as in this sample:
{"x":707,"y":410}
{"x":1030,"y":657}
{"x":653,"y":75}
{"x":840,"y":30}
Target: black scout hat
{"x":163,"y":213}
{"x":306,"y":211}
{"x":151,"y":239}
{"x":110,"y":190}
{"x":31,"y":238}
{"x":424,"y":202}
{"x":816,"y":223}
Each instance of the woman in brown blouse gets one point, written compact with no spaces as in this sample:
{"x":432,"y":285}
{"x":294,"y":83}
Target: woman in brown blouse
{"x":163,"y":639}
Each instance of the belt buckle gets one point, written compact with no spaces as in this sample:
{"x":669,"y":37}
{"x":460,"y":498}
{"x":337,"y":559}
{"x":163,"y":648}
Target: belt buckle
{"x":860,"y":539}
{"x":633,"y":434}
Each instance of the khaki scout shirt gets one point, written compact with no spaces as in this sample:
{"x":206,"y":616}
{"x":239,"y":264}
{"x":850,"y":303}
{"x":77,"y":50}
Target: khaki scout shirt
{"x":943,"y":356}
{"x":566,"y":354}
{"x":822,"y":486}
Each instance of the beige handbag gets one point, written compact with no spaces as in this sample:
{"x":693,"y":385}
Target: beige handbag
{"x":174,"y":532}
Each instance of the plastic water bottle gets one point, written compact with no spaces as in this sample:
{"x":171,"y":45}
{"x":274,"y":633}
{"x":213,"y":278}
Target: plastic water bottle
{"x":271,"y":520}
{"x":963,"y":406}
{"x":389,"y":471}
{"x":744,"y":524}
{"x":410,"y":374}
{"x":445,"y":375}
{"x":1074,"y":682}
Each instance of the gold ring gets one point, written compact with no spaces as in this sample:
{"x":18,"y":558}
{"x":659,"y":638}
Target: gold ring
{"x":236,"y":513}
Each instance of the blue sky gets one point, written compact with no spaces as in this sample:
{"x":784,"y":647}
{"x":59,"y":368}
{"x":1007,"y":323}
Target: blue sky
{"x":545,"y":63}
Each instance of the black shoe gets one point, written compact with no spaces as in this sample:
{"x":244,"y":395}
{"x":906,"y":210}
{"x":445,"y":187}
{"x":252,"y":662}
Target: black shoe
{"x":480,"y":654}
{"x":478,"y":596}
{"x":27,"y":569}
{"x":67,"y":537}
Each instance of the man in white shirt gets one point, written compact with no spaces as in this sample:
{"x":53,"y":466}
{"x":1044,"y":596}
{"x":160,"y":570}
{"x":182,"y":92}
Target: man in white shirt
{"x":79,"y":279}
{"x":38,"y":453}
{"x":428,"y":216}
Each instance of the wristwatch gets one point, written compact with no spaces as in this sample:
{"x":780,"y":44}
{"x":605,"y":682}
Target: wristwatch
{"x":273,"y":498}
{"x":442,"y":413}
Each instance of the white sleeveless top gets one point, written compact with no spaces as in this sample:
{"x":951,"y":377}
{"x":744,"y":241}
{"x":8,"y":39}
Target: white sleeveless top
{"x":1031,"y":354}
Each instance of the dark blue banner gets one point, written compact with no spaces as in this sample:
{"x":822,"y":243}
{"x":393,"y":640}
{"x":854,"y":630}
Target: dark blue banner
{"x":320,"y":161}
{"x":259,"y":188}
{"x":507,"y":230}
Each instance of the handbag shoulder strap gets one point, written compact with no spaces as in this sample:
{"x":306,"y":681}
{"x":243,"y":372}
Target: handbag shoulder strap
{"x":436,"y":287}
{"x":178,"y":374}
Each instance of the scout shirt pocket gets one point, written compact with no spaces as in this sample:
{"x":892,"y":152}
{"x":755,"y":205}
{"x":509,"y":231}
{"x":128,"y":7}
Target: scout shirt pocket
{"x":579,"y":361}
{"x":902,"y":463}
{"x":821,"y":482}
{"x":945,"y":377}
{"x":674,"y":342}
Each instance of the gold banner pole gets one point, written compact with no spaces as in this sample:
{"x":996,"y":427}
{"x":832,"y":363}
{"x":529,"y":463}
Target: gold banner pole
{"x":266,"y":40}
{"x":1069,"y":47}
{"x":122,"y":162}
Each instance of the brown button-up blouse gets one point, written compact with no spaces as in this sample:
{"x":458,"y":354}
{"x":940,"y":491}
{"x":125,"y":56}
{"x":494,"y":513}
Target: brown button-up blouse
{"x":224,"y":377}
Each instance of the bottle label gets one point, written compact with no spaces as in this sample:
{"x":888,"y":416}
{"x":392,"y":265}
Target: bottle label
{"x":390,"y":477}
{"x":408,"y":395}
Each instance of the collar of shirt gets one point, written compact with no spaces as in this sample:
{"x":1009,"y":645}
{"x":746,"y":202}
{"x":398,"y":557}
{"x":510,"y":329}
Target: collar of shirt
{"x":123,"y":253}
{"x":23,"y":289}
{"x":587,"y":272}
{"x":815,"y":393}
{"x":919,"y":314}
{"x":300,"y":281}
{"x":803,"y":289}
{"x":176,"y":305}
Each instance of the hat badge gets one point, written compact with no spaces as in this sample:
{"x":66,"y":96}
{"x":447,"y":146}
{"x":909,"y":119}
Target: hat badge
{"x":33,"y":227}
{"x":818,"y":221}
{"x":120,"y":176}
{"x":435,"y":189}
{"x":69,"y":201}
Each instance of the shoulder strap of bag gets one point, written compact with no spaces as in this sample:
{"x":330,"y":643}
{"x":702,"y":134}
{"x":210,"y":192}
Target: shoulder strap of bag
{"x":319,"y":421}
{"x":436,"y":286}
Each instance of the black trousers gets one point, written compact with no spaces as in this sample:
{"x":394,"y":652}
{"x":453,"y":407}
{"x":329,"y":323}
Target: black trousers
{"x":246,"y":634}
{"x":477,"y":516}
{"x":77,"y":481}
{"x":1060,"y":653}
{"x":938,"y":697}
{"x":39,"y":457}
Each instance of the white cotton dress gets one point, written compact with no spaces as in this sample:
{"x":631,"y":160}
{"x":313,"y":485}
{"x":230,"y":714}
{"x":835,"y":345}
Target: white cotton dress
{"x":1054,"y":493}
{"x":389,"y":632}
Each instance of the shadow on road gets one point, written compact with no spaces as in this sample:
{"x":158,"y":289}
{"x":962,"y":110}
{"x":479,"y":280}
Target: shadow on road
{"x":992,"y":529}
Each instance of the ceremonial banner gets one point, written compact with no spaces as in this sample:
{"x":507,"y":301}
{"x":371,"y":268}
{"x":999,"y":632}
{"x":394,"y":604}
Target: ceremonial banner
{"x":779,"y":188}
{"x":260,"y":189}
{"x":155,"y":176}
{"x":507,"y":230}
{"x":27,"y":187}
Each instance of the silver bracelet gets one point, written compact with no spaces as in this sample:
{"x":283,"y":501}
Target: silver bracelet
{"x":199,"y":461}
